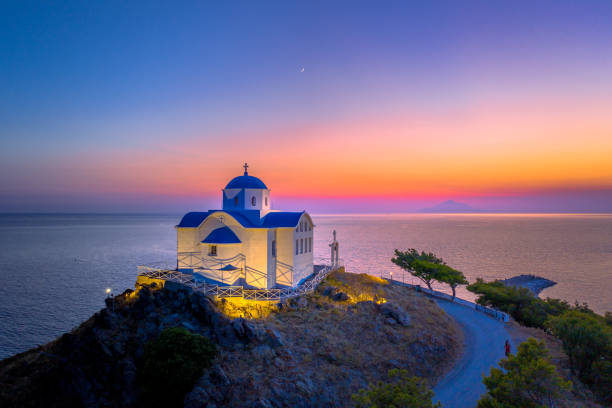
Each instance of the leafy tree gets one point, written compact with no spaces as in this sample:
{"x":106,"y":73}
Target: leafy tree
{"x":608,"y":318}
{"x":587,"y":339}
{"x":527,"y":380}
{"x":425,"y":271}
{"x":174,"y":362}
{"x":403,"y":391}
{"x":586,"y":336}
{"x":518,"y":302}
{"x":452,"y":277}
{"x":420,"y":265}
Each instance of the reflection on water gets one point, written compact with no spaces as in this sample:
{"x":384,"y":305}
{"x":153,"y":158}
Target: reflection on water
{"x":573,"y":250}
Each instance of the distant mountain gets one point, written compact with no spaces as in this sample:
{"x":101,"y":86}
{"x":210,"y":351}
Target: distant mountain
{"x":450,"y":206}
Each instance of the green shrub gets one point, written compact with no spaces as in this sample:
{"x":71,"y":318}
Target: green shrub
{"x":172,"y":364}
{"x":404,"y":391}
{"x":520,"y":303}
{"x":527,"y":380}
{"x":587,"y":341}
{"x":586,"y":336}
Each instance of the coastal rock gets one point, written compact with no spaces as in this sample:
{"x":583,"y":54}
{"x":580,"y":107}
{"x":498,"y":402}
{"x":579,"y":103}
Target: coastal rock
{"x":396,"y":313}
{"x":315,"y":355}
{"x":238,"y":325}
{"x":263,"y":352}
{"x":535,"y":284}
{"x":330,"y":291}
{"x":274,"y":338}
{"x":340,"y":297}
{"x":262,"y":403}
{"x":194,"y":398}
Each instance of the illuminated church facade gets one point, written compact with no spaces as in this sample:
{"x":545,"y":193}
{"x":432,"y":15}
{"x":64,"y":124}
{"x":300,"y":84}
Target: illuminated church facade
{"x":246,"y":243}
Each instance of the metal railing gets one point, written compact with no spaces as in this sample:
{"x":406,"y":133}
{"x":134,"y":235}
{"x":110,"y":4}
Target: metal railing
{"x":238,"y":291}
{"x":284,"y":273}
{"x":255,"y":277}
{"x":195,"y":260}
{"x":261,"y":294}
{"x":497,"y":314}
{"x":212,"y":268}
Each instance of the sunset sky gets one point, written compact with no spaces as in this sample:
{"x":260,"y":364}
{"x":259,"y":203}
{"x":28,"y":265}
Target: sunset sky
{"x":337,"y":106}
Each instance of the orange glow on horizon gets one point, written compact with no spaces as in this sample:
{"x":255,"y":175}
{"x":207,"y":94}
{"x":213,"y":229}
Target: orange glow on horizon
{"x":486,"y":150}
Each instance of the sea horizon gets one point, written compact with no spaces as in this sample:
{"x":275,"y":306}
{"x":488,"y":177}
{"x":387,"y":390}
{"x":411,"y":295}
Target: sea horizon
{"x":324,"y":214}
{"x":70,"y":258}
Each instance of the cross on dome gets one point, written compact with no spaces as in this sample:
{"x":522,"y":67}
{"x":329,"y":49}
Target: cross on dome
{"x":246,"y":166}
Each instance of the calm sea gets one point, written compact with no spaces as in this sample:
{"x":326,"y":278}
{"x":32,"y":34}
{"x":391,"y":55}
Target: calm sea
{"x":54,"y":269}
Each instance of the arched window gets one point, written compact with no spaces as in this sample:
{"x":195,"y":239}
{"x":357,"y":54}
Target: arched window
{"x":253,"y":201}
{"x":297,"y":248}
{"x":236,"y":200}
{"x":266,"y":201}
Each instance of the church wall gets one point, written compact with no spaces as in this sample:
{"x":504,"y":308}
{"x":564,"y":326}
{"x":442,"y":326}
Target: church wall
{"x":254,"y":245}
{"x":260,"y":200}
{"x":187,"y":239}
{"x":229,"y":199}
{"x":303,"y":256}
{"x":256,"y":251}
{"x":271,"y":266}
{"x":223,"y":251}
{"x":285,"y":248}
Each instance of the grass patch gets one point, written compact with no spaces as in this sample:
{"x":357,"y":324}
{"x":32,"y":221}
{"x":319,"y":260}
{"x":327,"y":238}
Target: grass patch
{"x":248,"y":309}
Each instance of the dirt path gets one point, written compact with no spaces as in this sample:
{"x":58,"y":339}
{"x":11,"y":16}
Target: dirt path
{"x":484,"y":346}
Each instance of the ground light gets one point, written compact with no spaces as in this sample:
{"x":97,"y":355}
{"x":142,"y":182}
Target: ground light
{"x":109,"y":293}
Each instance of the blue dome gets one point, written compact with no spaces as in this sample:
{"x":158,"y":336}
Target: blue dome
{"x":246,"y":181}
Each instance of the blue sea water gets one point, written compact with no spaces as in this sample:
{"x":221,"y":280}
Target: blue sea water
{"x":54,"y":269}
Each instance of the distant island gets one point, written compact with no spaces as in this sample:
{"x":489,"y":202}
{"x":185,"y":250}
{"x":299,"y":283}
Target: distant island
{"x":450,"y":206}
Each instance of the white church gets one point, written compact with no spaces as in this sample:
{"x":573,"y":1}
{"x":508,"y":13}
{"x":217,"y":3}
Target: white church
{"x":246,"y":243}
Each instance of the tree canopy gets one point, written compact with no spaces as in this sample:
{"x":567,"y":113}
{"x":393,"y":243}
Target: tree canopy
{"x":587,"y":341}
{"x":421,"y":265}
{"x":174,"y":361}
{"x":451,"y":276}
{"x":428,"y":267}
{"x":520,"y":303}
{"x":527,"y":380}
{"x":403,"y":391}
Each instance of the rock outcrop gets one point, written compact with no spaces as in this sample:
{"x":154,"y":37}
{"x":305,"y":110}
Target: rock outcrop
{"x":535,"y":284}
{"x":314,"y":351}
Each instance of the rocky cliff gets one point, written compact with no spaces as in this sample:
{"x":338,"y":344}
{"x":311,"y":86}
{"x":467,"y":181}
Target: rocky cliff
{"x":311,"y":351}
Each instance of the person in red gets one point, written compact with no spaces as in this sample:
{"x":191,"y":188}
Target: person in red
{"x":507,"y":348}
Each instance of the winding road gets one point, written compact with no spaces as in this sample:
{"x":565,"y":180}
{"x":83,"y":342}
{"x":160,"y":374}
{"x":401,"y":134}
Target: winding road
{"x":484,"y":339}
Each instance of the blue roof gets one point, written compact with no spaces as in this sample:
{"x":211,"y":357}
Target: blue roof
{"x":223,"y":235}
{"x":228,"y":267}
{"x":277,"y":219}
{"x":193,"y":219}
{"x":281,"y":219}
{"x":246,"y":181}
